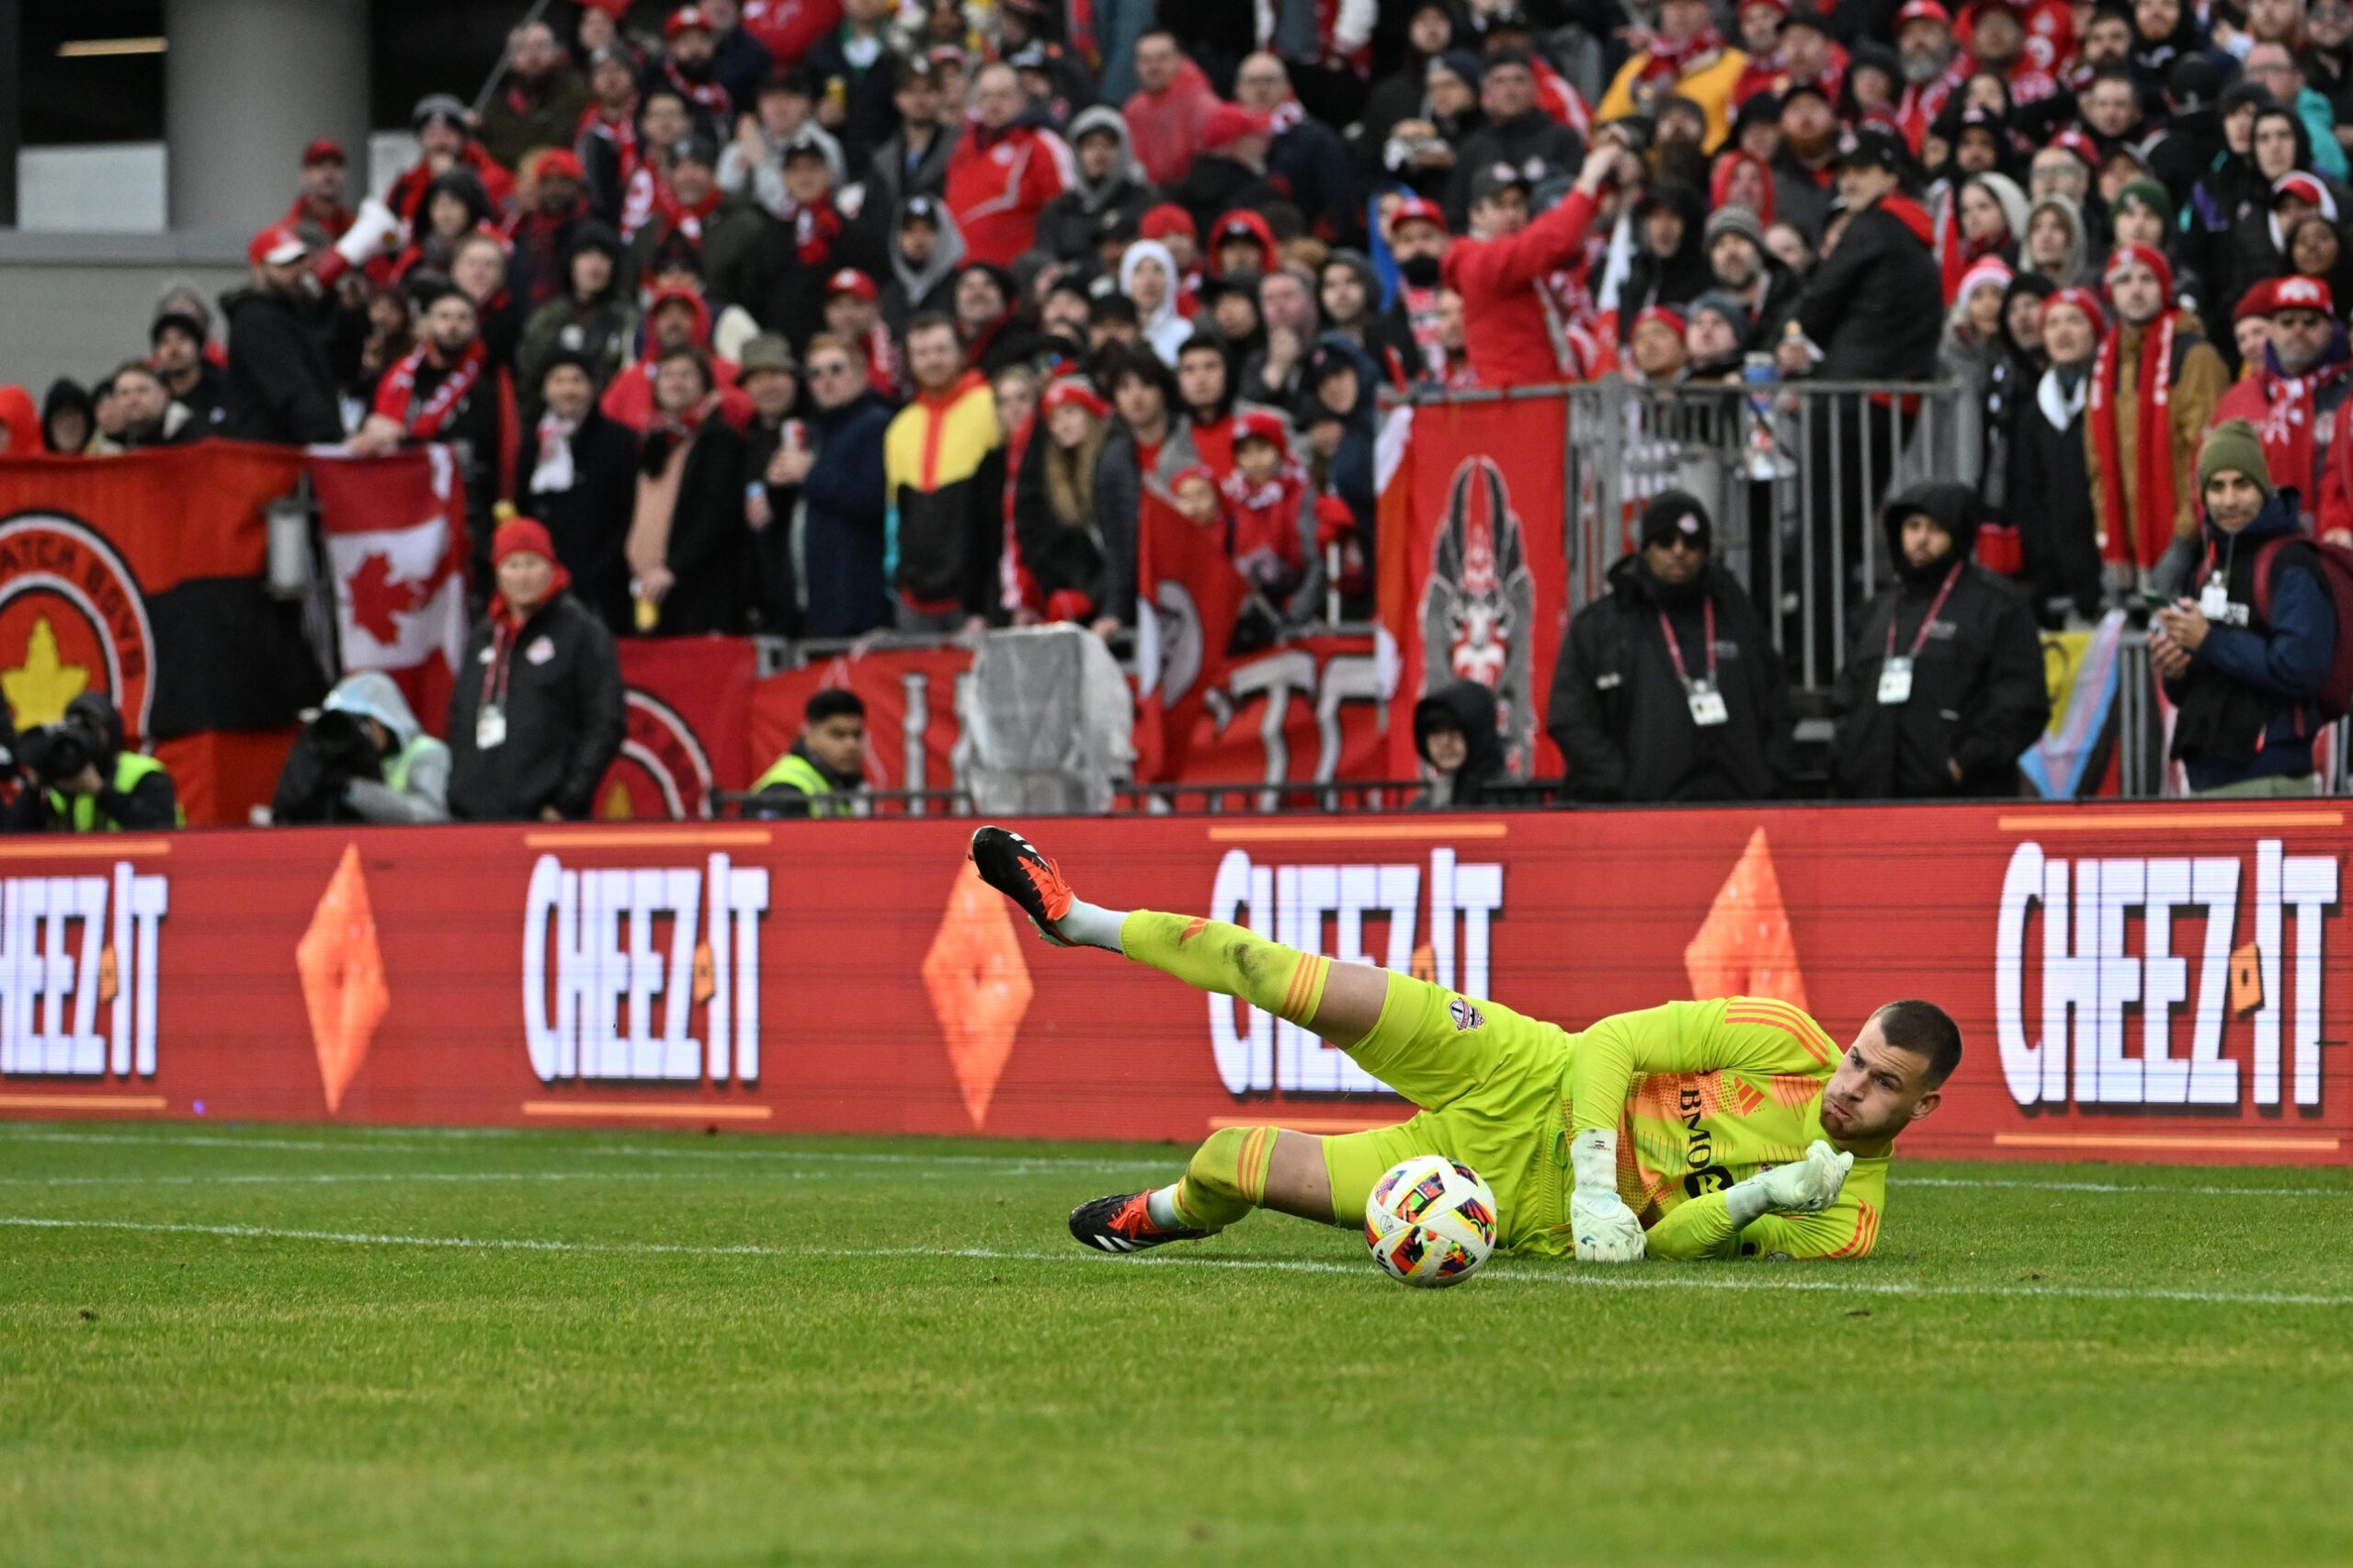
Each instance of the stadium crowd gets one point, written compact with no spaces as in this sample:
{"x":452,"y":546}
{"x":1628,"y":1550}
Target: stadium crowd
{"x":822,"y":316}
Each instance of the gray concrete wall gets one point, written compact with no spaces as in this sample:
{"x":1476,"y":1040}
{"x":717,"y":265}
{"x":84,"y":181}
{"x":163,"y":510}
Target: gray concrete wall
{"x":79,"y":304}
{"x":247,"y":85}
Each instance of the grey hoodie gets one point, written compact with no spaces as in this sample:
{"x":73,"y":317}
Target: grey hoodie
{"x":371,"y":694}
{"x":947,"y":256}
{"x":1125,"y":170}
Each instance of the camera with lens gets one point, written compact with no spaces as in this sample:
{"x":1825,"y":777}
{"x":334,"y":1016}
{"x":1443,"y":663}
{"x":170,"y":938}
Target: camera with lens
{"x":53,"y":753}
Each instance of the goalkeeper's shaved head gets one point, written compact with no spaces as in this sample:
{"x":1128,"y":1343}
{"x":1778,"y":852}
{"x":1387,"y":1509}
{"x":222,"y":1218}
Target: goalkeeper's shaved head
{"x":1926,"y":1031}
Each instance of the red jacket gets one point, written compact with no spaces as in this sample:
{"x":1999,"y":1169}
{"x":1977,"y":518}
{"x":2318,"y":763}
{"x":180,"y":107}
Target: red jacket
{"x":1514,"y":330}
{"x":1165,"y":129}
{"x":408,"y":191}
{"x":997,"y":184}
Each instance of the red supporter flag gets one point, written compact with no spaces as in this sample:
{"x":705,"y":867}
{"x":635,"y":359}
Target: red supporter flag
{"x":687,"y":704}
{"x":1189,"y":597}
{"x":396,"y":542}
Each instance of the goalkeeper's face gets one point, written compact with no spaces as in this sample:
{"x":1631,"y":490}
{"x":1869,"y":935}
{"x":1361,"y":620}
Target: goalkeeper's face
{"x":1877,"y":1092}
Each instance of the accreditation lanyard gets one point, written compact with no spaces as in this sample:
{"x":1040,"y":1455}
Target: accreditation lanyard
{"x":1895,"y":673}
{"x":1706,"y":699}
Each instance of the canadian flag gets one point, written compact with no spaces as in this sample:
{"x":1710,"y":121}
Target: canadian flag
{"x":395,"y":531}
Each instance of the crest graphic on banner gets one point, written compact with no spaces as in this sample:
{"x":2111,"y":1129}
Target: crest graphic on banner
{"x":72,"y":620}
{"x":1478,"y":604}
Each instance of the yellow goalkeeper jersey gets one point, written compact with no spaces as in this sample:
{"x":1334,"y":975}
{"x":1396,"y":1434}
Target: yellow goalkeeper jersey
{"x":1706,"y":1094}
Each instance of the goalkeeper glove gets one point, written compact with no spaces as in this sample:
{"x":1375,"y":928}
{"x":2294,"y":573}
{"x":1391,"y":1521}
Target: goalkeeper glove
{"x":1801,"y":1187}
{"x":1606,"y":1231}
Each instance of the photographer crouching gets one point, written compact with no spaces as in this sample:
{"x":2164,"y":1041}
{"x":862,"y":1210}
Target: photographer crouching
{"x":79,"y":778}
{"x":365,"y":758}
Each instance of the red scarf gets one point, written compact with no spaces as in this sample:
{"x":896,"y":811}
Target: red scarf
{"x":1666,"y":60}
{"x":710,"y":95}
{"x":814,"y":230}
{"x":398,"y":398}
{"x":1421,"y":318}
{"x":681,"y":218}
{"x":882,"y":366}
{"x":621,"y":134}
{"x":2142,"y":540}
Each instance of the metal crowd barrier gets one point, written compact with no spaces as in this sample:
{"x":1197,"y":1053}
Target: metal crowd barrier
{"x":1792,"y":472}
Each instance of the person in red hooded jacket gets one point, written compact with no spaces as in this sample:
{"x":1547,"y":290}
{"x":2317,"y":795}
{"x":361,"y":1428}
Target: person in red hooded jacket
{"x":1006,"y":166}
{"x":677,"y":318}
{"x":1170,"y":111}
{"x":445,"y":129}
{"x":1517,"y":332}
{"x":19,"y":422}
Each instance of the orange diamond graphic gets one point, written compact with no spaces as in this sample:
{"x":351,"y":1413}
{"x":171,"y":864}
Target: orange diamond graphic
{"x":343,"y":977}
{"x":979,"y":987}
{"x":1744,"y":947}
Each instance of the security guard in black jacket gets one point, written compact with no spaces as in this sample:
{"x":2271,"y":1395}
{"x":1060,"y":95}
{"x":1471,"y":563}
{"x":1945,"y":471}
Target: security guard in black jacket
{"x":1943,"y":689}
{"x":1669,"y":688}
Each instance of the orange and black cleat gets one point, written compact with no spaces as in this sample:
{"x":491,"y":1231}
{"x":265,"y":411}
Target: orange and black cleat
{"x":1123,"y":1224}
{"x":1013,"y":866}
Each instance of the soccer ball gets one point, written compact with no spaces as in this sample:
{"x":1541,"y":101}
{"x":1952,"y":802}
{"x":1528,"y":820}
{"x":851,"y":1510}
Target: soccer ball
{"x":1430,"y":1221}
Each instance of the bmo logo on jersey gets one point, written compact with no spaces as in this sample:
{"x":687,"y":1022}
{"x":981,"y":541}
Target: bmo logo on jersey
{"x":1257,"y":1052}
{"x":643,"y":972}
{"x":2163,"y":981}
{"x":78,"y":974}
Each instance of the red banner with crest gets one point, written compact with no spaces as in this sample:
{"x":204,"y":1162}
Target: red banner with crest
{"x":688,"y":708}
{"x":1474,"y":566}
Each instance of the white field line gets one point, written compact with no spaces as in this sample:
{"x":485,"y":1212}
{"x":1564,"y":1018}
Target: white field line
{"x":1172,"y":1159}
{"x":1668,"y":1279}
{"x":1022,"y":1163}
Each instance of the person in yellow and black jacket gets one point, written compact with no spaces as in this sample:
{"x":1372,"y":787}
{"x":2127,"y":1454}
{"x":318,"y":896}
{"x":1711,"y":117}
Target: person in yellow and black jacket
{"x":824,"y":771}
{"x":80,"y":779}
{"x":943,"y":470}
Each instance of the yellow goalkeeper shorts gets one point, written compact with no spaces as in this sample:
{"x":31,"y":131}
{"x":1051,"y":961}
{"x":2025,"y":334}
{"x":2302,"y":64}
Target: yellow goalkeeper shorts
{"x":1491,"y":1082}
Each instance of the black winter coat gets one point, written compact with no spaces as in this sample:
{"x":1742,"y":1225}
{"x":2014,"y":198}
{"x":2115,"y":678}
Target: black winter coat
{"x":2050,"y":499}
{"x":563,"y":718}
{"x":590,"y":521}
{"x":1862,"y":307}
{"x":710,"y":550}
{"x":282,"y":385}
{"x":843,"y":510}
{"x":1978,"y":696}
{"x":1622,"y":720}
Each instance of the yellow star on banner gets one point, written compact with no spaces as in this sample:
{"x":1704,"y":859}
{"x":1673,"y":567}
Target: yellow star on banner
{"x":39,"y":689}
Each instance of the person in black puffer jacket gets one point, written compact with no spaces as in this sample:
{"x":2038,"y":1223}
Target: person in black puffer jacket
{"x":1943,"y":688}
{"x":536,"y":717}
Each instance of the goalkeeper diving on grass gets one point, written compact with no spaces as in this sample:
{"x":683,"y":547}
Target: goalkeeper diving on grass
{"x":1734,"y":1128}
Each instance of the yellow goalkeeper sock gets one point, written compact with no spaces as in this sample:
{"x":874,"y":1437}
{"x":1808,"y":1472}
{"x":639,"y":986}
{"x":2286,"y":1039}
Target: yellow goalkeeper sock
{"x":1211,"y":955}
{"x":1225,"y":1179}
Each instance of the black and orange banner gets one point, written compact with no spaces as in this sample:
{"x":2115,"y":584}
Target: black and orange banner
{"x":141,"y":577}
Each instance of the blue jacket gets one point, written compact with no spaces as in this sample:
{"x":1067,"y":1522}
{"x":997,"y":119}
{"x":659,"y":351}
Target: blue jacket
{"x":842,"y":542}
{"x":2242,"y":672}
{"x":2319,"y":119}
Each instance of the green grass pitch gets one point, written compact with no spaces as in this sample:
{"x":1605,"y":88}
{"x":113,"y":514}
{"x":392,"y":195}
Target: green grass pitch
{"x":298,"y":1345}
